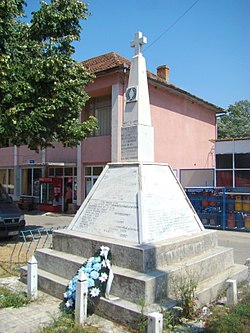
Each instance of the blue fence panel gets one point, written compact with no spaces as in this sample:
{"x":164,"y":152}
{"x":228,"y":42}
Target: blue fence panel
{"x":221,"y":208}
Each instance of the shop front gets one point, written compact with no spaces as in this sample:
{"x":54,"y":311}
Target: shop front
{"x":50,"y":198}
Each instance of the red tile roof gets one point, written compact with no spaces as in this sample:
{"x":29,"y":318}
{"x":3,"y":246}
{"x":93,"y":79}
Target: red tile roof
{"x":113,"y":61}
{"x":104,"y":62}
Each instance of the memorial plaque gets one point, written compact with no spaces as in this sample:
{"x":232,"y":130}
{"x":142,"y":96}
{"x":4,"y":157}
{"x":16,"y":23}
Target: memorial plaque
{"x":129,"y":143}
{"x":138,"y":203}
{"x":167,"y":212}
{"x":111,"y":211}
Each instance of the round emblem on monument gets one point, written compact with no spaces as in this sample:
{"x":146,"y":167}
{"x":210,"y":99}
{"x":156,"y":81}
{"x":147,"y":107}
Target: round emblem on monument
{"x":131,"y":94}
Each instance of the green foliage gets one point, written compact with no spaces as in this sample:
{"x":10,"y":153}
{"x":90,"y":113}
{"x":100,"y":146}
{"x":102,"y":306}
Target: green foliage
{"x":234,"y":320}
{"x":184,"y":287}
{"x":171,"y":319}
{"x":142,"y":322}
{"x":236,"y":123}
{"x":41,"y":85}
{"x":9,"y":299}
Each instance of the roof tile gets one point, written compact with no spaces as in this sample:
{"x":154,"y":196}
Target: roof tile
{"x":104,"y":62}
{"x":113,"y":60}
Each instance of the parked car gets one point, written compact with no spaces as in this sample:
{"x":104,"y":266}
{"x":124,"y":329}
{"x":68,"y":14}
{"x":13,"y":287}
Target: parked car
{"x":11,"y":217}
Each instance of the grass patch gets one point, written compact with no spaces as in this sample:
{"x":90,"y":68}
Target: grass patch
{"x":231,"y":320}
{"x":12,"y":299}
{"x":65,"y":324}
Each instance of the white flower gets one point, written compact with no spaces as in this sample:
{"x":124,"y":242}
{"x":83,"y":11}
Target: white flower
{"x":69,"y":303}
{"x":94,"y":292}
{"x":104,"y":251}
{"x":103,"y":277}
{"x":106,"y":263}
{"x":65,"y":295}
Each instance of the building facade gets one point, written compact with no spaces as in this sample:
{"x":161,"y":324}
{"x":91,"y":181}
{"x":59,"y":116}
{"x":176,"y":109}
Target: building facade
{"x":184,"y":127}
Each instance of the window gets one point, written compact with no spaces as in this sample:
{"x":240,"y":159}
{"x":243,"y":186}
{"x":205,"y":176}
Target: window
{"x":230,"y":172}
{"x":100,"y":107}
{"x":242,"y":178}
{"x":30,"y":181}
{"x":3,"y":178}
{"x":62,"y":172}
{"x":68,"y":171}
{"x":224,"y":161}
{"x":7,"y":180}
{"x":242,"y":161}
{"x":224,"y":178}
{"x":91,"y":175}
{"x":59,"y":172}
{"x":10,"y":185}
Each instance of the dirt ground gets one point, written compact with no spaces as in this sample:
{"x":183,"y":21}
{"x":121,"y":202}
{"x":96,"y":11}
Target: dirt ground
{"x":15,"y":253}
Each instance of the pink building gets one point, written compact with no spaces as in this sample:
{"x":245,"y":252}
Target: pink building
{"x":184,"y":127}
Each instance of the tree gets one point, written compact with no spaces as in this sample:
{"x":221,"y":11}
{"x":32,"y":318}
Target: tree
{"x":236,"y":122}
{"x":41,"y":85}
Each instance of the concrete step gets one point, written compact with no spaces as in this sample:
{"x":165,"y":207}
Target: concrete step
{"x":203,"y":266}
{"x":49,"y":283}
{"x":131,"y":285}
{"x":126,"y":312}
{"x":210,"y":289}
{"x":63,"y":264}
{"x":141,"y":258}
{"x":128,"y":284}
{"x":119,"y":310}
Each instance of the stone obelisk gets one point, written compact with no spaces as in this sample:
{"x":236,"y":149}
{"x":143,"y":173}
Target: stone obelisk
{"x":137,"y":130}
{"x":137,"y":201}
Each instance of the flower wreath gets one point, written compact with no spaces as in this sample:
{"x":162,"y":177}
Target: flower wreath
{"x":99,"y":275}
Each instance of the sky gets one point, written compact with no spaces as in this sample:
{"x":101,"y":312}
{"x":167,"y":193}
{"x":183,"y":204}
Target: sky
{"x":206,"y":43}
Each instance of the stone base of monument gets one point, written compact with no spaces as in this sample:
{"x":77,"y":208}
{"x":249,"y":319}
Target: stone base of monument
{"x":141,"y":271}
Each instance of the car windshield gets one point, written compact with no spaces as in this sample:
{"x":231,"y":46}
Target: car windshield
{"x":3,"y":195}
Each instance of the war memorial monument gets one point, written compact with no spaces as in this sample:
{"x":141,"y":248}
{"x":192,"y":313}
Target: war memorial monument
{"x":140,"y":211}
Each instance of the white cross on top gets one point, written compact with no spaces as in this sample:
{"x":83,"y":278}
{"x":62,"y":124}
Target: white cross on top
{"x":138,"y":42}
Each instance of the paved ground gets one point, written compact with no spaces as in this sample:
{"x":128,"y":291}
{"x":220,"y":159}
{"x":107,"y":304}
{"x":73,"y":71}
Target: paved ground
{"x":31,"y":318}
{"x":239,"y":241}
{"x":41,"y":312}
{"x":37,"y":219}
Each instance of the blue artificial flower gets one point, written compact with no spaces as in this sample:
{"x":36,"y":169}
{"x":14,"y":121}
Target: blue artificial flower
{"x":93,"y":270}
{"x":82,"y":269}
{"x":88,"y":268}
{"x":91,"y":283}
{"x":97,"y":259}
{"x":97,"y":266}
{"x":68,"y":294}
{"x":94,"y":275}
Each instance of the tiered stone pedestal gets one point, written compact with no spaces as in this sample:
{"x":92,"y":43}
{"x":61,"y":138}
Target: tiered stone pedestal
{"x":142,"y":271}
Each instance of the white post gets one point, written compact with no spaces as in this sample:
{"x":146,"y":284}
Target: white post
{"x":231,"y":292}
{"x":155,"y":322}
{"x":32,"y":278}
{"x":81,"y":298}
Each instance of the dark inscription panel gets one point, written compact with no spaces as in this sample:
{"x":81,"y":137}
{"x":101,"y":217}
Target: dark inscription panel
{"x":129,"y":143}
